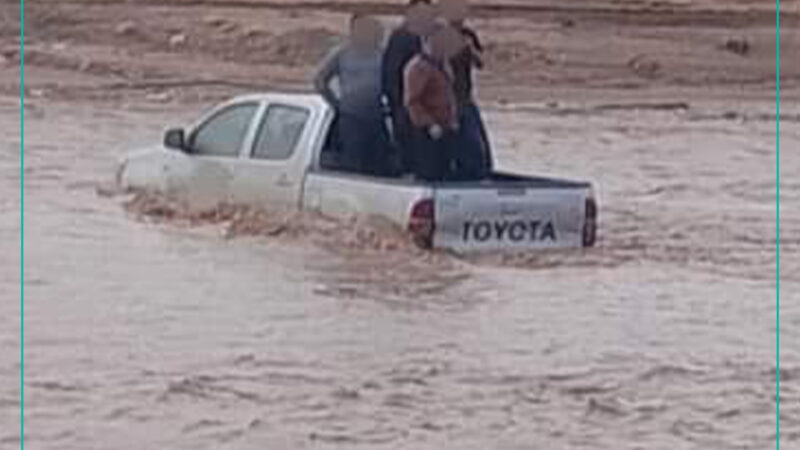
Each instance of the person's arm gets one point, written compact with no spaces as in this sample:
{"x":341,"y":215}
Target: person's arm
{"x":476,"y":48}
{"x":329,"y":69}
{"x":415,"y":80}
{"x":392,"y":72}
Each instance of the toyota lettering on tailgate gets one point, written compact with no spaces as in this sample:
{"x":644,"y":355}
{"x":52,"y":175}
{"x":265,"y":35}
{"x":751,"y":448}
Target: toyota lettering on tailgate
{"x":510,"y":230}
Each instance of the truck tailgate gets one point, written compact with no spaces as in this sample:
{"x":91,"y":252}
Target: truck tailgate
{"x":498,"y":217}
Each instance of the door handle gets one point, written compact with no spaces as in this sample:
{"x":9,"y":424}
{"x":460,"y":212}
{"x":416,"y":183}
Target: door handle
{"x":283,"y":180}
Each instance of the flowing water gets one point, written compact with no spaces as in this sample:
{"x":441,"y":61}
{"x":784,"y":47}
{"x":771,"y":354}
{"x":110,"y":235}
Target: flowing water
{"x":151,"y":331}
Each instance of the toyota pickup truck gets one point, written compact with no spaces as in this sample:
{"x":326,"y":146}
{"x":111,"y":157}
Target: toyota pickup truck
{"x":277,"y":150}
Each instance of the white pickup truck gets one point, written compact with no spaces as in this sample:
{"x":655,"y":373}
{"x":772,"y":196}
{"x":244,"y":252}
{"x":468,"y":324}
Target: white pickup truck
{"x":272,"y":150}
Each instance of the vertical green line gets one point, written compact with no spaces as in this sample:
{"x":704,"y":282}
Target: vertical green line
{"x":778,"y":223}
{"x":21,"y":224}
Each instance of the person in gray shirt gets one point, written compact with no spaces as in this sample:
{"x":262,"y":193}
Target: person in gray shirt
{"x":355,"y":69}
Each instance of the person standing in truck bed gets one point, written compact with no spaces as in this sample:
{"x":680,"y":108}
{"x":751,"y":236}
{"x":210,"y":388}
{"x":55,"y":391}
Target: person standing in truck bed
{"x":475,"y":159}
{"x":404,"y":43}
{"x":356,"y":66}
{"x":432,"y":106}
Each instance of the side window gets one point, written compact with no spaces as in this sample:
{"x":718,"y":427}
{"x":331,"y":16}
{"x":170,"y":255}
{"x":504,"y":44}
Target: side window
{"x":224,"y":133}
{"x":279,"y":132}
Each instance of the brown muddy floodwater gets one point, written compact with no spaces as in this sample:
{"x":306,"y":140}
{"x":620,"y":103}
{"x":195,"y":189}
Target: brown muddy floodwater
{"x":147,"y":332}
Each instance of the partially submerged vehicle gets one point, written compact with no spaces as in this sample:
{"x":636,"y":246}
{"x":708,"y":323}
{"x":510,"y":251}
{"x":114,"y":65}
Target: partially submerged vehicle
{"x":277,"y":150}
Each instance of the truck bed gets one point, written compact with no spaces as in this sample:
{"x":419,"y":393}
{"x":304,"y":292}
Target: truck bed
{"x":495,"y":180}
{"x":504,"y":211}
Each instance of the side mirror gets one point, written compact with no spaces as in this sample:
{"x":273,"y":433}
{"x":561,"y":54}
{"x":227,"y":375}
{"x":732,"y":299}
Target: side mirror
{"x":174,"y":139}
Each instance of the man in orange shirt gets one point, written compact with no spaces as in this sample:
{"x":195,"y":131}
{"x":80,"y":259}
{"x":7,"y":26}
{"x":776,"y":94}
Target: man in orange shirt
{"x":429,"y":97}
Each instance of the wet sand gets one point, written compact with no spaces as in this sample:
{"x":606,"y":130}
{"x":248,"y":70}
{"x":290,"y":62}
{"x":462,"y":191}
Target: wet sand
{"x":149,"y":328}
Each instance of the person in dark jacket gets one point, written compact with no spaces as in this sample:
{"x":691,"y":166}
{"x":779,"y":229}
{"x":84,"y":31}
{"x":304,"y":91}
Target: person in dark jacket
{"x":432,"y":106}
{"x":404,"y":43}
{"x":475,"y":159}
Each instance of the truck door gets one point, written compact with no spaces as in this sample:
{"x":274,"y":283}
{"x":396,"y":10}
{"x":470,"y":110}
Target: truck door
{"x":274,"y":165}
{"x":205,"y":174}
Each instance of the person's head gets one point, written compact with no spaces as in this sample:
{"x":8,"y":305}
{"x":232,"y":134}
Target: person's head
{"x":454,"y":11}
{"x":366,"y":32}
{"x":420,"y":16}
{"x":444,"y":42}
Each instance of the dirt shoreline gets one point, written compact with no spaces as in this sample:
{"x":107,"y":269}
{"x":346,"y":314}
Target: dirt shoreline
{"x":204,"y":50}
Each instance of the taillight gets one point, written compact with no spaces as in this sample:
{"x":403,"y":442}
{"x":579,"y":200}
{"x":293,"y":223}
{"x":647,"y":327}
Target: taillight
{"x":421,"y":223}
{"x":590,"y":223}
